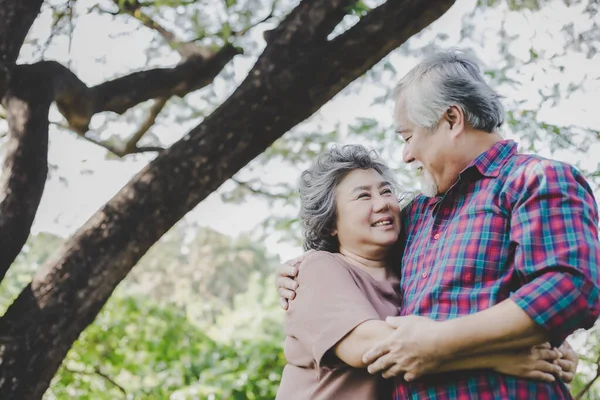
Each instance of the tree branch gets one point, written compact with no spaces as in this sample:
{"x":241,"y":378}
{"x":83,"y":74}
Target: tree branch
{"x":185,"y":49}
{"x":17,"y":16}
{"x":156,"y":108}
{"x":299,"y":63}
{"x":119,"y":151}
{"x":262,"y":21}
{"x":27,"y":103}
{"x":98,"y":372}
{"x":259,"y":192}
{"x":310,"y":22}
{"x":79,"y":103}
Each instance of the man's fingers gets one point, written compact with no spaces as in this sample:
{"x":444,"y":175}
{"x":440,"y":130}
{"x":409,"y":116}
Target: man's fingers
{"x":394,"y":322}
{"x":548,"y":354}
{"x":283,"y":303}
{"x":542,"y":376}
{"x":567,"y":377}
{"x":286,"y":283}
{"x":287,"y":270}
{"x":545,"y":366}
{"x":410,"y":376}
{"x":286,"y":294}
{"x":566,"y":365}
{"x":543,"y":346}
{"x":395,"y":370}
{"x":380,"y":364}
{"x":378,"y":351}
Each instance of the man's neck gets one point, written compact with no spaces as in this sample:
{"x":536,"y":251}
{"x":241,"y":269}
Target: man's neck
{"x":471,"y":145}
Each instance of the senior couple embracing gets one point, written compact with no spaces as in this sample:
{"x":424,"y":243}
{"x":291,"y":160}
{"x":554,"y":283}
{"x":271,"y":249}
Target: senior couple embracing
{"x":466,"y":292}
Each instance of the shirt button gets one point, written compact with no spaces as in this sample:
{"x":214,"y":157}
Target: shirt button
{"x":436,"y":236}
{"x":424,"y":275}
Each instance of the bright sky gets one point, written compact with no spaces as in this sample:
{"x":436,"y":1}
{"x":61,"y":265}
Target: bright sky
{"x":89,"y":179}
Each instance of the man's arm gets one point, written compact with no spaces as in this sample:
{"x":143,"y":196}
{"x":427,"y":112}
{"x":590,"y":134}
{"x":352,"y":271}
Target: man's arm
{"x":504,"y":326}
{"x":539,"y":362}
{"x":554,"y":232}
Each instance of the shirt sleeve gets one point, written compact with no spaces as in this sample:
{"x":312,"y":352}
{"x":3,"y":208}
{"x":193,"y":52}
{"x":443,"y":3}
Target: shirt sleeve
{"x":328,"y":305}
{"x":554,"y":231}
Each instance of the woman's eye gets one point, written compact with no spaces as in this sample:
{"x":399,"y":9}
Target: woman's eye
{"x":363,"y":196}
{"x":407,"y":139}
{"x":386,"y":191}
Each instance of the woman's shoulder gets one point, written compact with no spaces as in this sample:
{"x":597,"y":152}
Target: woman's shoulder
{"x":322,"y":257}
{"x":318,"y":260}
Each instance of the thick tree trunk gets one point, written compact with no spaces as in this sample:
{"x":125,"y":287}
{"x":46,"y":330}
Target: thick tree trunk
{"x":298,"y":72}
{"x":16,"y":17}
{"x":27,"y":102}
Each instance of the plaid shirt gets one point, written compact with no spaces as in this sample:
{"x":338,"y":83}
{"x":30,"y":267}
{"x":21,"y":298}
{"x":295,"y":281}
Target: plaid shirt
{"x":513,"y":226}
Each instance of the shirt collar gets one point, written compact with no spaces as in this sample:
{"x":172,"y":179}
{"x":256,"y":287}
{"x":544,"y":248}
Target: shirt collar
{"x":489,"y":163}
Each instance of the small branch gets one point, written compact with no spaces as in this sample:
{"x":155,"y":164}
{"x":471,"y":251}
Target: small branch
{"x":265,"y":19}
{"x":185,"y":49}
{"x":260,"y":192}
{"x":156,"y":108}
{"x":122,"y":152}
{"x":100,"y":374}
{"x":119,"y":152}
{"x":96,"y":7}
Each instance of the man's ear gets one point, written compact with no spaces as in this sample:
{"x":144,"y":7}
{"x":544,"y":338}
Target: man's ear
{"x":455,"y":118}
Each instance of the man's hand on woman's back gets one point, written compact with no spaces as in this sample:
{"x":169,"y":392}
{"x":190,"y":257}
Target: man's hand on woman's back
{"x":285,"y":275}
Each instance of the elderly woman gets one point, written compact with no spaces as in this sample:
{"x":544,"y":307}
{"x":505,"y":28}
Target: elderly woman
{"x":346,"y":289}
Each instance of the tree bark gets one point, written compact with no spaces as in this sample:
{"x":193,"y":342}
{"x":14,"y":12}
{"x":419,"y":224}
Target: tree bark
{"x":297,"y":73}
{"x":16,"y":17}
{"x":27,"y":102}
{"x":32,"y":90}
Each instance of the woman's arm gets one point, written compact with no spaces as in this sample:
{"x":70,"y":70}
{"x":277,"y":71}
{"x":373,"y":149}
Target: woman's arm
{"x":534,"y":363}
{"x":351,"y":348}
{"x":539,"y":363}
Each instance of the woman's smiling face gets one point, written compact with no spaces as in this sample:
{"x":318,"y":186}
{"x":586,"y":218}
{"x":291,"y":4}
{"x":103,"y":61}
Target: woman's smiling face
{"x":367,"y":212}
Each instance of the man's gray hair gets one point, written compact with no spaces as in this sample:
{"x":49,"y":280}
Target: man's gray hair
{"x":445,"y":79}
{"x":318,"y":186}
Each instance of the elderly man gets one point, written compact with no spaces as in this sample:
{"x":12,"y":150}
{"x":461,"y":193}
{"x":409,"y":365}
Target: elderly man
{"x":501,"y":249}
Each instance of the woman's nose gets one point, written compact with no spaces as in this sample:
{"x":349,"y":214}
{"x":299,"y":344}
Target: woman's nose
{"x":380,"y":203}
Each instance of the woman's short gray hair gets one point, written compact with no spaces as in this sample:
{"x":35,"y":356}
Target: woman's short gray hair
{"x":449,"y":78}
{"x":318,"y":186}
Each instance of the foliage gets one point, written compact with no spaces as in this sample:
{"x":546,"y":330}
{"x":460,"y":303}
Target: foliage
{"x":145,"y":346}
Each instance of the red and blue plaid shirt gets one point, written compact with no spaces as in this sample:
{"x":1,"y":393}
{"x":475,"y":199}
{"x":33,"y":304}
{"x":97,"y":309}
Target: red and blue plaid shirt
{"x":513,"y":226}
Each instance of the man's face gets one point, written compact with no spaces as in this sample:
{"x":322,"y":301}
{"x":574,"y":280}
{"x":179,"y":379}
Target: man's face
{"x":424,"y":150}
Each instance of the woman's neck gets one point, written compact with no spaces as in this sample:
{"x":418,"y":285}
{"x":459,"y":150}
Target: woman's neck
{"x":374,"y":266}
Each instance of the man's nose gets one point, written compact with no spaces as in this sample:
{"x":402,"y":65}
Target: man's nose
{"x":406,"y":154}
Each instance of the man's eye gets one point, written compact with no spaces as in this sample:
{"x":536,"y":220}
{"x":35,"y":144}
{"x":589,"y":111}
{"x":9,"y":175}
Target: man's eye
{"x":363,"y":196}
{"x":386,"y":191}
{"x":407,"y":139}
